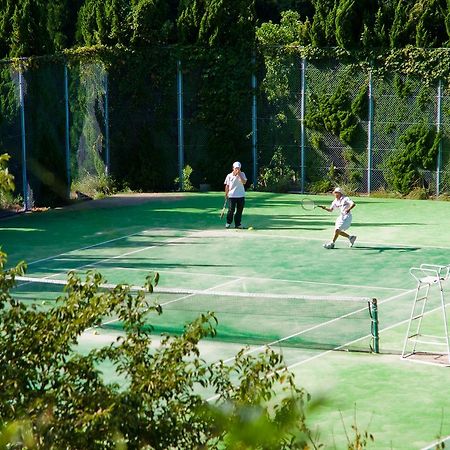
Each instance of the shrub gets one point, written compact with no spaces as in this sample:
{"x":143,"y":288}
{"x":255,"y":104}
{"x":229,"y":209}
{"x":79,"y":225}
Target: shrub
{"x":186,"y":185}
{"x":416,"y":152}
{"x":278,"y":176}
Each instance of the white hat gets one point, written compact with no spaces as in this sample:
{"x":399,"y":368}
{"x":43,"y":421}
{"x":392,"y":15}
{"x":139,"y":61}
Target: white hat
{"x":237,"y":165}
{"x":337,"y":189}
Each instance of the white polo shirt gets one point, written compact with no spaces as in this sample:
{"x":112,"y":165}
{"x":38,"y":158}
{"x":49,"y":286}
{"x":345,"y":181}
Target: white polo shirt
{"x":235,"y":187}
{"x":343,"y":204}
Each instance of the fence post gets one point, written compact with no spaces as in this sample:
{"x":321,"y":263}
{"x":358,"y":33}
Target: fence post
{"x":369,"y":135}
{"x":302,"y":126}
{"x":438,"y":129}
{"x":254,"y":125}
{"x":107,"y":155}
{"x":25,"y":187}
{"x":66,"y":101}
{"x":180,"y":123}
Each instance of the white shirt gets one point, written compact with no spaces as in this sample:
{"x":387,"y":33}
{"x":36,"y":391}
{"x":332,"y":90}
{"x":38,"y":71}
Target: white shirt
{"x":343,"y":203}
{"x":235,"y":187}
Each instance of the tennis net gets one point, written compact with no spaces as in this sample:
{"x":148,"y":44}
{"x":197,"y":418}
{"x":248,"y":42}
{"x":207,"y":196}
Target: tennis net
{"x":253,"y":318}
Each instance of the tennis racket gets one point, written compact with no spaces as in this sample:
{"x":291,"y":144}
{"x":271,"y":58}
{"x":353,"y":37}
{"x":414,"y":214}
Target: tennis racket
{"x":224,"y":207}
{"x":308,"y":204}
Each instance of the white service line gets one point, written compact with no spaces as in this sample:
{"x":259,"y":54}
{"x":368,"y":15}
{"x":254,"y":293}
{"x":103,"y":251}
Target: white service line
{"x":134,"y":269}
{"x":96,"y":245}
{"x":319,"y":355}
{"x":435,"y":444}
{"x":114,"y":257}
{"x":318,"y":326}
{"x":174,"y":301}
{"x":378,"y":244}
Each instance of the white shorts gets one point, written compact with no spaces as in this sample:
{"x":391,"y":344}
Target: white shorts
{"x":343,"y":223}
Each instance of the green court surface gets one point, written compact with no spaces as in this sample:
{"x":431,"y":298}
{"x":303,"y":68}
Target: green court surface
{"x":326,"y":343}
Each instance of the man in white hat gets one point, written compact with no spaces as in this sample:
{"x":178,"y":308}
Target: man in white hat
{"x":235,"y":193}
{"x":344,"y":219}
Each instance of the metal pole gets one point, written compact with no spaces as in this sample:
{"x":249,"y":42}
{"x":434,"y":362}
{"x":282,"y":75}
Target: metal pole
{"x":369,"y":136}
{"x":180,"y":123}
{"x":375,"y":325}
{"x":66,"y":99}
{"x":107,"y":155}
{"x":438,"y":129}
{"x":254,"y":126}
{"x":302,"y":126}
{"x":26,"y":196}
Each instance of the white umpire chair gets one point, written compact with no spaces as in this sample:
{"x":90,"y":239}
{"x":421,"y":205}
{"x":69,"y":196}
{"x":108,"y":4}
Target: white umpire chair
{"x":431,"y":349}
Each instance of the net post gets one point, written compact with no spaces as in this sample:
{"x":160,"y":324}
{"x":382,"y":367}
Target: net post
{"x":373,"y":308}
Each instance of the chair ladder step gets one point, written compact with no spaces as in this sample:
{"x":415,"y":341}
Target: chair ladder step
{"x":413,"y":336}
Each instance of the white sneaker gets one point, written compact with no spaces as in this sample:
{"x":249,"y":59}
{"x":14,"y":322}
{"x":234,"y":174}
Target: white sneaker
{"x":329,"y":245}
{"x":352,"y":240}
{"x":227,"y":225}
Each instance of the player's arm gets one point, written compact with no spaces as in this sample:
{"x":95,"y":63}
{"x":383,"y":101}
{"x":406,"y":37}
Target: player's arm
{"x":325,"y":208}
{"x":353,"y":204}
{"x":241,"y":176}
{"x":227,"y":188}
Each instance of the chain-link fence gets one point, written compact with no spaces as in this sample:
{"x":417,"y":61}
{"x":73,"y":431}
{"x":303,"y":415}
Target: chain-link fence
{"x":71,"y":123}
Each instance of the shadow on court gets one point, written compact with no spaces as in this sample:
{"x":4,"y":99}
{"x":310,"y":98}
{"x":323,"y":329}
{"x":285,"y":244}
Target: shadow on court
{"x":381,"y":249}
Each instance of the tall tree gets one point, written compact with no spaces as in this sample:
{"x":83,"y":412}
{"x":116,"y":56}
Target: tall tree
{"x":352,"y":17}
{"x":7,"y":8}
{"x":429,"y":19}
{"x":217,"y":22}
{"x":323,"y":24}
{"x":152,"y":23}
{"x":104,"y":22}
{"x":29,"y":36}
{"x":400,"y":33}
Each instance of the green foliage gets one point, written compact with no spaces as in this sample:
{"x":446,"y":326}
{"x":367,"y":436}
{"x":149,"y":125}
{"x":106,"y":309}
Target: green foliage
{"x":6,"y":179}
{"x":6,"y":185}
{"x":151,"y":23}
{"x":416,"y":152}
{"x":322,"y":31}
{"x":348,"y":17}
{"x":186,"y":183}
{"x":58,"y":398}
{"x":104,"y":22}
{"x":325,"y":184}
{"x":278,"y":176}
{"x":401,"y":27}
{"x":95,"y":186}
{"x":332,"y":113}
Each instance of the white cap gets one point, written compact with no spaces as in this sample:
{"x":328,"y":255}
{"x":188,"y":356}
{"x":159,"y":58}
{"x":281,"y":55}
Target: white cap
{"x":236,"y":165}
{"x":337,"y":189}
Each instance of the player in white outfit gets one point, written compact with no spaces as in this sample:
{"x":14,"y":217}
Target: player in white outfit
{"x":344,"y":219}
{"x":235,"y":193}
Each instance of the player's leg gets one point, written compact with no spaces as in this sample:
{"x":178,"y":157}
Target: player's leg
{"x":231,"y":209}
{"x":240,"y":202}
{"x":343,"y":226}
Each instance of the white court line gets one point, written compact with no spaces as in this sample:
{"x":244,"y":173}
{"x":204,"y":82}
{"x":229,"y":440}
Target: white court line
{"x":435,"y":444}
{"x":174,"y":301}
{"x":379,"y":244}
{"x":180,"y":272}
{"x":320,"y":283}
{"x":92,"y":246}
{"x":319,"y":355}
{"x":253,"y":235}
{"x":318,"y":326}
{"x":112,"y":257}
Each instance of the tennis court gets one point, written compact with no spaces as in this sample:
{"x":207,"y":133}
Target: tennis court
{"x":273,"y":284}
